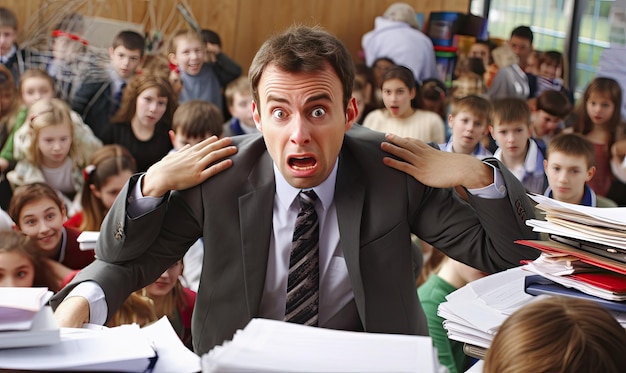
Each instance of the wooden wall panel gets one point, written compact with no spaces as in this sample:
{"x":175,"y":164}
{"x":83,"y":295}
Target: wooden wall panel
{"x":242,"y":24}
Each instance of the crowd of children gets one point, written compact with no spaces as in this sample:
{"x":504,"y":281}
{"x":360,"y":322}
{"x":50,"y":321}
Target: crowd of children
{"x":69,"y":144}
{"x":74,"y":127}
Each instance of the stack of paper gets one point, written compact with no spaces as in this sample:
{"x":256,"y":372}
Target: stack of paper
{"x":24,"y":318}
{"x":606,"y":226}
{"x":155,"y":348}
{"x":276,"y":346}
{"x":474,"y":312}
{"x":87,"y":240}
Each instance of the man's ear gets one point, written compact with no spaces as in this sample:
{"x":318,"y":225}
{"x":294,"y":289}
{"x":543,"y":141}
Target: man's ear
{"x":256,"y":116}
{"x":352,"y":112}
{"x":545,"y":165}
{"x":590,"y":173}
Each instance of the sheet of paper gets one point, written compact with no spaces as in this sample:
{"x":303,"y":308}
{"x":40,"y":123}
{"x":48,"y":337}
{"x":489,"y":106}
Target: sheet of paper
{"x":173,"y":355}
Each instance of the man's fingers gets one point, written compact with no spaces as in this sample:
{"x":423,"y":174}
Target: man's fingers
{"x":216,"y":168}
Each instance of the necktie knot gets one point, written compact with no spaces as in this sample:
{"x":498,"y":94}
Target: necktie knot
{"x":307,"y":199}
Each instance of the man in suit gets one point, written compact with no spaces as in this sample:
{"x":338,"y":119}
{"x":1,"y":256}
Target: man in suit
{"x":240,"y":195}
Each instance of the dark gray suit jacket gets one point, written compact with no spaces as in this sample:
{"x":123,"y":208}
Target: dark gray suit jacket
{"x":377,"y":209}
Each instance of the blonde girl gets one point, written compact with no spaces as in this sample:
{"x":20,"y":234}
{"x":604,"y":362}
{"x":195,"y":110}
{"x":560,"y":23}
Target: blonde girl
{"x":52,"y":156}
{"x":105,"y":176}
{"x":599,"y":121}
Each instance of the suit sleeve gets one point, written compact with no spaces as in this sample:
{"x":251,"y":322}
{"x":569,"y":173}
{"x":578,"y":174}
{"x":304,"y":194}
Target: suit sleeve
{"x":132,"y":253}
{"x":480,"y":233}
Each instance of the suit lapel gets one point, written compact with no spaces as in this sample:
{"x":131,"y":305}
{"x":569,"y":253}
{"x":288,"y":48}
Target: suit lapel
{"x":349,"y":199}
{"x":255,"y":209}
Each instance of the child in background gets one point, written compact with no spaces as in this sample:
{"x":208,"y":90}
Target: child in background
{"x":434,"y":97}
{"x":173,"y":300}
{"x":52,"y":157}
{"x":532,"y":63}
{"x":401,"y":114}
{"x":109,"y":169}
{"x":569,"y":166}
{"x":516,"y":149}
{"x":201,"y":80}
{"x":9,"y":106}
{"x":239,"y":102}
{"x":481,"y":49}
{"x":99,"y":97}
{"x":144,"y":119}
{"x":380,"y":66}
{"x":10,"y":55}
{"x":193,"y":122}
{"x":558,"y":334}
{"x":550,"y":77}
{"x":39,"y":212}
{"x":37,"y":85}
{"x":164,"y":297}
{"x":19,"y":263}
{"x":551,"y":109}
{"x":599,"y":121}
{"x":469,"y":121}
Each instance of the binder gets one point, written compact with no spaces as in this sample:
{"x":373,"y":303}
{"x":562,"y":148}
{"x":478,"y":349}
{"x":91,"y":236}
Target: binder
{"x":539,"y":285}
{"x":587,"y":257}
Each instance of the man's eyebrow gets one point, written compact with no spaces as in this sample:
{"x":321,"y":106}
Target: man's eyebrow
{"x":318,"y":97}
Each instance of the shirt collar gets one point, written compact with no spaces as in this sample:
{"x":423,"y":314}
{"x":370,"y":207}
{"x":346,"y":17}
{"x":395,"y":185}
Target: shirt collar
{"x":589,"y":197}
{"x":9,"y":54}
{"x":286,"y":194}
{"x":534,"y":161}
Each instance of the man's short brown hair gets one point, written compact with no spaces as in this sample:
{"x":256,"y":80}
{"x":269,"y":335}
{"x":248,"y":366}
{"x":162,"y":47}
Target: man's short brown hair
{"x":302,"y":49}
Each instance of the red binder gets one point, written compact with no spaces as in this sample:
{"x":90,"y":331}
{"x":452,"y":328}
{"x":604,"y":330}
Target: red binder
{"x":556,"y":247}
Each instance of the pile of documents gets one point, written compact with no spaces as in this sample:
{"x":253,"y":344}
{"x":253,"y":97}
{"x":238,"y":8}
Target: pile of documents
{"x":25,"y":320}
{"x":599,"y":226}
{"x":474,"y":312}
{"x":277,"y":346}
{"x":155,"y":348}
{"x":584,"y":255}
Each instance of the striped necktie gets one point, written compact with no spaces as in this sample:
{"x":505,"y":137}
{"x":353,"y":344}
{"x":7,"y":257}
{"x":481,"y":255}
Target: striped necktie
{"x":303,"y":280}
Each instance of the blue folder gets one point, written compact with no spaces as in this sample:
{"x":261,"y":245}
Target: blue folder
{"x":537,"y":284}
